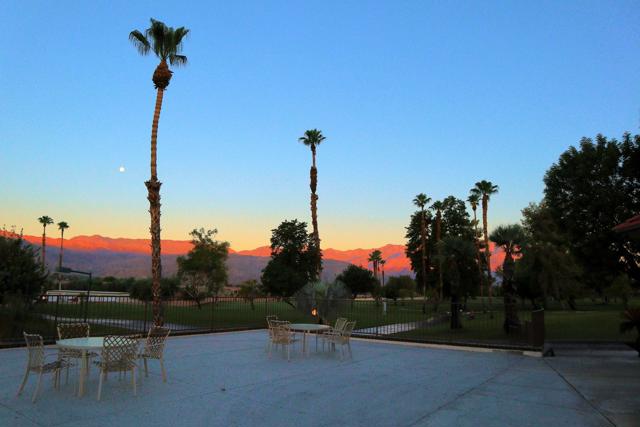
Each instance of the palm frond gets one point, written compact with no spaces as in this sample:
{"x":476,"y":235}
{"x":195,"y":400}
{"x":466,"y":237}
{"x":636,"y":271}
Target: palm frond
{"x":177,"y":60}
{"x":140,"y":42}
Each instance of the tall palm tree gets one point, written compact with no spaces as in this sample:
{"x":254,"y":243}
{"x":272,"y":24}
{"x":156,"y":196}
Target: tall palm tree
{"x":382,"y":263}
{"x":44,"y":220}
{"x":312,"y":138}
{"x":438,"y":206}
{"x":421,"y":200}
{"x":166,"y":44}
{"x":485,"y":189}
{"x":62,"y":225}
{"x":374,"y":258}
{"x":474,"y":200}
{"x":510,"y":238}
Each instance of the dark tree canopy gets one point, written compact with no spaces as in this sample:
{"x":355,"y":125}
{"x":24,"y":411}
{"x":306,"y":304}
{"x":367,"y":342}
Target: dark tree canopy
{"x":460,"y":267}
{"x":413,"y":247}
{"x":203,"y":271}
{"x":358,"y":280}
{"x":293,"y":261}
{"x":400,"y":287}
{"x":20,"y":271}
{"x":588,"y":191}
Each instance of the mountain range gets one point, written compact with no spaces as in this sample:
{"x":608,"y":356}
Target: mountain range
{"x":125,"y":257}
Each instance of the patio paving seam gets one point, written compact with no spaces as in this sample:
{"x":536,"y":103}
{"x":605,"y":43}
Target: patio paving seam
{"x":444,"y":405}
{"x":21,"y":414}
{"x":579,"y":393}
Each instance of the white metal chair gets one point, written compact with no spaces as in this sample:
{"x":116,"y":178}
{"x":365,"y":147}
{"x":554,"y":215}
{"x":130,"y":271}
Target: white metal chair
{"x":270,"y":324}
{"x":74,"y":330}
{"x":154,"y":349}
{"x":282,"y":335}
{"x":119,"y":354}
{"x":341,"y":338}
{"x":37,"y":363}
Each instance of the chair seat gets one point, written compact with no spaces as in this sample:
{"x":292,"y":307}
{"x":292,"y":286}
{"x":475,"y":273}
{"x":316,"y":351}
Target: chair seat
{"x":53,"y":366}
{"x":119,"y":365}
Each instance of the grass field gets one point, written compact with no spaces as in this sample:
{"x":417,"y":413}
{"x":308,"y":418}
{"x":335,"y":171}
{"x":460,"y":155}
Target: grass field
{"x":591,"y":322}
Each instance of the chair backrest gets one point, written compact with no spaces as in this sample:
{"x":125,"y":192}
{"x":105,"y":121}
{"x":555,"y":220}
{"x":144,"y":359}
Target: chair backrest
{"x":73,"y":330}
{"x":154,"y":345}
{"x":340,"y":323}
{"x":348,"y":329}
{"x":35,"y":347}
{"x":270,"y":320}
{"x":119,"y":351}
{"x":282,"y":331}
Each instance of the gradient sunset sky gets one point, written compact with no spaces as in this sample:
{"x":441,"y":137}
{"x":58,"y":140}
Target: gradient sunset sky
{"x":412,"y":96}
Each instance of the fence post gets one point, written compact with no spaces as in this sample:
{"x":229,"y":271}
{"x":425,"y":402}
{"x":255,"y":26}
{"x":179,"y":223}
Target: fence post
{"x":55,"y":318}
{"x":86,"y":307}
{"x":213,"y":303}
{"x":537,"y":328}
{"x":144,"y":325}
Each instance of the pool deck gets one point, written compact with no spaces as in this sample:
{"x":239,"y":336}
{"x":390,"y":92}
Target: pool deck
{"x":228,"y":380}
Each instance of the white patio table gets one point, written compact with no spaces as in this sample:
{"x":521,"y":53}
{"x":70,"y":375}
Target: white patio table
{"x":308,"y":327}
{"x":85,"y":345}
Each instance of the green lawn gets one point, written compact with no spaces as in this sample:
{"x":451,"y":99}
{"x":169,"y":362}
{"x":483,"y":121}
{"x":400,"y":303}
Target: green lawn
{"x":593,"y":321}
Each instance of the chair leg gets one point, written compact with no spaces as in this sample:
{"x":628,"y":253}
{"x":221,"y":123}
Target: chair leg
{"x":133,"y":380}
{"x":102,"y":376}
{"x":35,"y":392}
{"x":164,"y":372}
{"x":24,"y":381}
{"x":146,"y":369}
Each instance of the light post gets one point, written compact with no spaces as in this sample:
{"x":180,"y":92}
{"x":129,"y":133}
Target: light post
{"x":68,"y":270}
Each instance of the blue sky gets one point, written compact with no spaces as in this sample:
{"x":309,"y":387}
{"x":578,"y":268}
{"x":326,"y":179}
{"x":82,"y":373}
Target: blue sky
{"x":413,"y":96}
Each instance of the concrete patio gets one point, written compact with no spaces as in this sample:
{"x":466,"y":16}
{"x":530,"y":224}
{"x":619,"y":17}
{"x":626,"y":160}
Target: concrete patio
{"x":228,"y":380}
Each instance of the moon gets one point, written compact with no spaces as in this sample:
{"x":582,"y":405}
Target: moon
{"x":121,"y":169}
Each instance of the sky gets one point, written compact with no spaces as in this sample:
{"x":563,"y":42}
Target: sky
{"x":412,"y":96}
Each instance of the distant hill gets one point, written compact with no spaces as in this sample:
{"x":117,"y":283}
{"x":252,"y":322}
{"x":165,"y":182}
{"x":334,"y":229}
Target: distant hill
{"x":123,"y":257}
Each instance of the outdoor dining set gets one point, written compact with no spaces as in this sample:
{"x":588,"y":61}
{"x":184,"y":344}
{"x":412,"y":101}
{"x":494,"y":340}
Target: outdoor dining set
{"x":76,"y":347}
{"x":285,"y":334}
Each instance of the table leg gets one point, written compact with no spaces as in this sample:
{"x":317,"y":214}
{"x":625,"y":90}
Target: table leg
{"x":304,"y":343}
{"x":83,"y":372}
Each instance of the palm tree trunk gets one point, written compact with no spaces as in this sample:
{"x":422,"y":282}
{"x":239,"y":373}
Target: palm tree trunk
{"x":478,"y":257}
{"x":44,"y":245}
{"x":61,"y":249}
{"x":153,"y":187}
{"x":423,"y":238}
{"x":438,"y":235}
{"x":314,"y":208}
{"x":485,"y":227}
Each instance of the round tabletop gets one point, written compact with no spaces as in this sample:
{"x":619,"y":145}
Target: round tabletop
{"x":308,"y":327}
{"x":88,"y":343}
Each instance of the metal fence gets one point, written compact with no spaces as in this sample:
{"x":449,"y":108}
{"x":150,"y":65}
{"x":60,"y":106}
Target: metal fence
{"x":406,"y":320}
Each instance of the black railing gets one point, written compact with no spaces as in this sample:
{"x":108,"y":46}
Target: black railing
{"x":400,"y":320}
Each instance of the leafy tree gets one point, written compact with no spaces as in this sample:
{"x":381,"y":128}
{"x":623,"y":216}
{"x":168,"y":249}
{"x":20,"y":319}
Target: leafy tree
{"x":44,"y":220}
{"x":141,"y":289}
{"x":510,"y":238}
{"x":400,"y":287}
{"x":589,"y":190}
{"x":621,"y":288}
{"x":249,"y":291}
{"x":20,"y":274}
{"x":166,"y":44}
{"x":312,"y":138}
{"x":547,"y":267}
{"x":358,"y":280}
{"x":293,"y":260}
{"x":484,"y":190}
{"x":461,"y":273}
{"x":203,"y":271}
{"x":62,"y":225}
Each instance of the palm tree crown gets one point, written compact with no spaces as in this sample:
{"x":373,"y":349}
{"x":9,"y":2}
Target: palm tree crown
{"x":510,"y":237}
{"x":484,"y":189}
{"x":45,"y":220}
{"x":473,"y":200}
{"x":312,"y":138}
{"x":166,"y":44}
{"x":421,"y":200}
{"x":62,"y":225}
